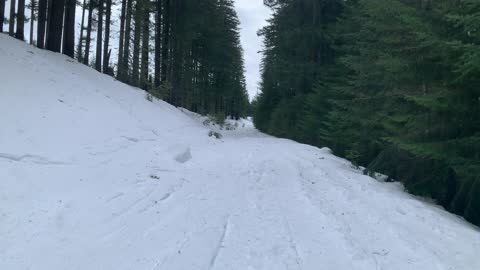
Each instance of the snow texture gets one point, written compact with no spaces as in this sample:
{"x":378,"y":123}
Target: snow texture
{"x":94,"y":176}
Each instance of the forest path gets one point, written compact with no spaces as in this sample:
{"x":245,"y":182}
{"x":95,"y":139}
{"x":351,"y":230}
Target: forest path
{"x":94,"y":176}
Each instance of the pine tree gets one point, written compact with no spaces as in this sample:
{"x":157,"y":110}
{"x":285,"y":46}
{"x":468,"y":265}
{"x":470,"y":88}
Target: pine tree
{"x":165,"y":39}
{"x":33,"y":6}
{"x":81,"y":37}
{"x":145,"y":46}
{"x":2,"y":14}
{"x":91,"y":5}
{"x":120,"y":71}
{"x":158,"y":44}
{"x":20,"y":33}
{"x":55,"y":25}
{"x":98,"y":55}
{"x":126,"y":56}
{"x":106,"y":50}
{"x":41,"y":24}
{"x":11,"y":23}
{"x":135,"y":79}
{"x":69,"y":28}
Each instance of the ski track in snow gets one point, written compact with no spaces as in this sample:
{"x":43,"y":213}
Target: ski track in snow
{"x":147,"y":188}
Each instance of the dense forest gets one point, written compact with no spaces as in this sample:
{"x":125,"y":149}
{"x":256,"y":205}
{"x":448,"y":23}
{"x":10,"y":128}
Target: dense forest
{"x":393,"y":85}
{"x":186,"y":52}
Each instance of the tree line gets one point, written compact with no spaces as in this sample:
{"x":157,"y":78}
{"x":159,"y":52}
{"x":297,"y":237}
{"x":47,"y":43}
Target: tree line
{"x":392,"y":85}
{"x":186,"y":52}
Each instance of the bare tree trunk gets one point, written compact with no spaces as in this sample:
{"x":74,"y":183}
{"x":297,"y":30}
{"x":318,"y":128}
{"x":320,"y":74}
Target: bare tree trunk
{"x":89,"y":32}
{"x":20,"y":34}
{"x":120,"y":72}
{"x":145,"y":46}
{"x":136,"y":43}
{"x":98,"y":56}
{"x":126,"y":48}
{"x":69,"y":28}
{"x":165,"y":39}
{"x":32,"y":16}
{"x":2,"y":14}
{"x":11,"y":23}
{"x":55,"y":26}
{"x":106,"y":56}
{"x":158,"y":44}
{"x":80,"y":39}
{"x":42,"y":15}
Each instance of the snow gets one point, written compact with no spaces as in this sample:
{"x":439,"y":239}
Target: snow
{"x":94,"y":176}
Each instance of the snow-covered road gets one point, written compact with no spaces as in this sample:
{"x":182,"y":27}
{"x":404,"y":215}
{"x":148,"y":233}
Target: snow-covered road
{"x":94,"y":176}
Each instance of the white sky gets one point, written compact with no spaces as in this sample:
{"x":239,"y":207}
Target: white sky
{"x":252,"y":14}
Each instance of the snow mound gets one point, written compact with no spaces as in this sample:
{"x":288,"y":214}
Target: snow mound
{"x":94,"y":176}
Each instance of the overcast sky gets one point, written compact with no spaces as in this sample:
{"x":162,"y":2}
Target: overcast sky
{"x":252,"y":14}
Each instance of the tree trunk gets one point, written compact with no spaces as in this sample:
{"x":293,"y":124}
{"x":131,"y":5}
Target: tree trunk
{"x":11,"y":23}
{"x":80,"y":39}
{"x":32,"y":15}
{"x":126,"y":48}
{"x":69,"y":28}
{"x":158,"y":45}
{"x":106,"y":57}
{"x":120,"y":72}
{"x":20,"y":34}
{"x":42,"y":15}
{"x":86,"y":59}
{"x":136,"y":42}
{"x":2,"y":14}
{"x":55,"y":26}
{"x":98,"y":56}
{"x":145,"y":46}
{"x":165,"y":39}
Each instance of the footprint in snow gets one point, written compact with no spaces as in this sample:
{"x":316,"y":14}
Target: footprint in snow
{"x":184,"y":156}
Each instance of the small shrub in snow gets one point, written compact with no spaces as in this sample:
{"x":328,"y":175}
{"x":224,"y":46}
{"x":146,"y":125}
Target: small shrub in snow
{"x":214,"y":134}
{"x":149,"y":97}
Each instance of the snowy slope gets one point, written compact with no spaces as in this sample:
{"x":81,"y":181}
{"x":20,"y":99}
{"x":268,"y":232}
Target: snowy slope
{"x":94,"y":176}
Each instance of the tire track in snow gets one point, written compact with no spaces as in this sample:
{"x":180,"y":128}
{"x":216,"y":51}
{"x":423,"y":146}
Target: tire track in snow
{"x":31,"y":158}
{"x":220,"y":244}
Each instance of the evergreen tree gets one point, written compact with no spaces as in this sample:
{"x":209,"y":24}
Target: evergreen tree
{"x":55,"y":25}
{"x":2,"y":14}
{"x":98,"y":55}
{"x":69,"y":28}
{"x":106,"y":50}
{"x":392,"y":85}
{"x":86,"y":58}
{"x":41,"y":24}
{"x":120,"y":72}
{"x":11,"y":22}
{"x":20,"y":33}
